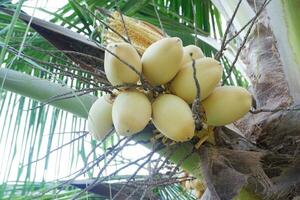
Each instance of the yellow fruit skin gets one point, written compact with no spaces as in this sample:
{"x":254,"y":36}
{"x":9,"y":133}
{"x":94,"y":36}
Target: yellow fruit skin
{"x":100,"y":118}
{"x":191,"y":49}
{"x":131,"y":112}
{"x":173,"y":117}
{"x":162,"y":60}
{"x":209,"y":74}
{"x":226,"y":105}
{"x":118,"y":72}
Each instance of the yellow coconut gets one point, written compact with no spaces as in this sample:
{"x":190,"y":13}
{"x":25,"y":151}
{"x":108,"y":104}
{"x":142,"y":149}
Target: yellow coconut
{"x":100,"y":118}
{"x":197,"y":185}
{"x":162,"y":60}
{"x":173,"y":117}
{"x":208,"y":73}
{"x":118,"y":72}
{"x":189,"y":52}
{"x":131,"y":112}
{"x":226,"y":105}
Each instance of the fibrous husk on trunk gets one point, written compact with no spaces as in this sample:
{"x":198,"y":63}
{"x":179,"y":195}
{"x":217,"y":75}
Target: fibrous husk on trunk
{"x":264,"y":159}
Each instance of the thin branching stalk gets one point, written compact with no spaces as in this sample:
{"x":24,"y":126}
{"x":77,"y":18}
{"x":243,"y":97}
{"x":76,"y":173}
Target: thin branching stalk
{"x":266,"y":2}
{"x":223,"y":45}
{"x":158,"y":18}
{"x":60,"y":147}
{"x":102,"y":170}
{"x":260,"y":110}
{"x":196,"y":108}
{"x":195,"y":22}
{"x":102,"y":22}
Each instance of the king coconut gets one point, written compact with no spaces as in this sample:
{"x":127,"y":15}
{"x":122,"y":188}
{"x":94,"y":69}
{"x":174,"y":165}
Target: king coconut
{"x":165,"y":63}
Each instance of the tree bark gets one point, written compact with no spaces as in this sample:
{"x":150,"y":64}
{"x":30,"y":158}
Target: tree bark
{"x":265,"y":159}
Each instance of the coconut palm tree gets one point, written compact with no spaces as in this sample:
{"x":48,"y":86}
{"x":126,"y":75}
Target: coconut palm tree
{"x":52,"y":72}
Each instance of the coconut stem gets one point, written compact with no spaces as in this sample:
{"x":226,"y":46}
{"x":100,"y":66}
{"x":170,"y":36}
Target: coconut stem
{"x":196,"y":104}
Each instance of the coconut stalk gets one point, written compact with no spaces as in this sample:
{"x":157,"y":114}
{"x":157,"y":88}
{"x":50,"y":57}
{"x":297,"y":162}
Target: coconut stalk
{"x":243,"y":15}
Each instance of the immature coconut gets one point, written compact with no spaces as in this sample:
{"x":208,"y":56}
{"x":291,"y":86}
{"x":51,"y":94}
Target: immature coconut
{"x":118,"y":72}
{"x":208,"y":73}
{"x":131,"y":112}
{"x":100,"y":117}
{"x":226,"y":104}
{"x":162,"y":60}
{"x":173,"y":117}
{"x":191,"y":52}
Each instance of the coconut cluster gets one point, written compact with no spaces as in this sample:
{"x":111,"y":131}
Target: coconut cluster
{"x":168,"y":65}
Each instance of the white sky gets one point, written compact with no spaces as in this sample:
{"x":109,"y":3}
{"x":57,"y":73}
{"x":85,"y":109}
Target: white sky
{"x":49,"y":5}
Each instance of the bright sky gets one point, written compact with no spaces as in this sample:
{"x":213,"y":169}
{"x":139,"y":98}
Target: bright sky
{"x":49,"y":5}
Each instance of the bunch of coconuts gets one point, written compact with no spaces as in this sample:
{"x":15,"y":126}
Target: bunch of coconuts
{"x":168,"y":64}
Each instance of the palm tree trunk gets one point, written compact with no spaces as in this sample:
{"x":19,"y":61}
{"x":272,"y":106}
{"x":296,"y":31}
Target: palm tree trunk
{"x":274,"y":163}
